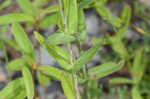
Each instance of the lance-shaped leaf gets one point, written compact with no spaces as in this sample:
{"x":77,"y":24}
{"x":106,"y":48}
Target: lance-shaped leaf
{"x":48,"y":20}
{"x":139,"y":65}
{"x":84,"y":3}
{"x":81,"y":25}
{"x":26,"y":7}
{"x":68,"y":87}
{"x":13,"y":90}
{"x":15,"y":17}
{"x":86,"y":57}
{"x":21,"y":95}
{"x":98,"y":40}
{"x":13,"y":44}
{"x":40,"y":3}
{"x":60,"y":38}
{"x":5,"y":4}
{"x":104,"y":69}
{"x":136,"y":93}
{"x":107,"y":16}
{"x":61,"y":56}
{"x":93,"y":88}
{"x":125,"y":17}
{"x":118,"y":46}
{"x":60,"y":52}
{"x":52,"y":71}
{"x":22,"y":40}
{"x":17,"y":64}
{"x":71,"y":15}
{"x":50,"y":9}
{"x":28,"y":82}
{"x":72,"y":18}
{"x":120,"y":80}
{"x":43,"y":79}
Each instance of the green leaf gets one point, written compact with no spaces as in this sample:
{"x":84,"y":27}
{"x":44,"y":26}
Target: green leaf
{"x":59,"y":38}
{"x":118,"y":46}
{"x":26,"y":7}
{"x":43,"y":79}
{"x":22,"y":40}
{"x":67,"y":85}
{"x":107,"y":16}
{"x":50,"y":9}
{"x":40,"y":3}
{"x":115,"y":21}
{"x":28,"y":81}
{"x":5,"y":4}
{"x":17,"y":64}
{"x":22,"y":95}
{"x":93,"y":88}
{"x":13,"y":44}
{"x":48,"y":20}
{"x":139,"y":65}
{"x":13,"y":90}
{"x":15,"y":17}
{"x":81,"y":25}
{"x":135,"y":93}
{"x":86,"y":57}
{"x":120,"y":80}
{"x":104,"y":70}
{"x":3,"y":30}
{"x":61,"y":56}
{"x":71,"y":15}
{"x":98,"y":40}
{"x":125,"y":17}
{"x":84,"y":3}
{"x":52,"y":71}
{"x":72,"y":18}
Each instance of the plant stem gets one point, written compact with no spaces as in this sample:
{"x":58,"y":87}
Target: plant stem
{"x":74,"y":75}
{"x":85,"y":86}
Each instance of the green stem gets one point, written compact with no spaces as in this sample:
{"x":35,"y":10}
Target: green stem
{"x":74,"y":75}
{"x":85,"y":86}
{"x":63,"y":17}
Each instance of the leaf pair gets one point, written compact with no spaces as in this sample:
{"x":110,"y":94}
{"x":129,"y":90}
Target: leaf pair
{"x":61,"y":55}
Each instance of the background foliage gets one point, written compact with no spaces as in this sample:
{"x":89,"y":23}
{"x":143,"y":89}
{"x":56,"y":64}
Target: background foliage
{"x":122,"y":69}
